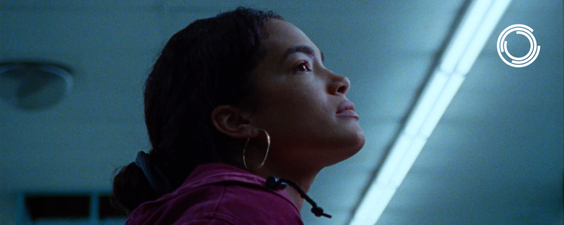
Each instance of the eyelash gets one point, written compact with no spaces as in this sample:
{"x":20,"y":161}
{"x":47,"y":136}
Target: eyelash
{"x":298,"y":69}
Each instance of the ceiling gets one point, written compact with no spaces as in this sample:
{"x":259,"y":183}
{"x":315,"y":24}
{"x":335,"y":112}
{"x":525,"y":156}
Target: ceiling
{"x":496,"y":156}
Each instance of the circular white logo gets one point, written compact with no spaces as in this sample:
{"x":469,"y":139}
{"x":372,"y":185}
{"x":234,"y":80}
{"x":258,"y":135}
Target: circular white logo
{"x":523,"y":61}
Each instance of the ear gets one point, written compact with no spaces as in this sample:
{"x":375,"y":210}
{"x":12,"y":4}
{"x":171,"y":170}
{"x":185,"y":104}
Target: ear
{"x":232,"y":122}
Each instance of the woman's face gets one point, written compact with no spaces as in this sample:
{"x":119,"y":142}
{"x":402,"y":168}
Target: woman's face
{"x":302,"y":104}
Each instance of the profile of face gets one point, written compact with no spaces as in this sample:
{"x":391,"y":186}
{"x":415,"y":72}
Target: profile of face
{"x":302,"y":104}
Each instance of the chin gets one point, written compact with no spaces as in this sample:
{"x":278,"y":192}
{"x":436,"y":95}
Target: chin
{"x":347,"y":147}
{"x":357,"y":144}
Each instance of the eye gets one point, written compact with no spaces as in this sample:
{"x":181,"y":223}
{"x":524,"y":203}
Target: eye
{"x":302,"y":67}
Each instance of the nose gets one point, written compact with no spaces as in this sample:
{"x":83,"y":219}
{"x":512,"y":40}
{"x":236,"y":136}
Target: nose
{"x":339,"y":84}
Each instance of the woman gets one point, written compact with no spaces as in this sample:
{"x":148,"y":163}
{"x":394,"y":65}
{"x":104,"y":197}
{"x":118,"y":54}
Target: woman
{"x":232,"y":102}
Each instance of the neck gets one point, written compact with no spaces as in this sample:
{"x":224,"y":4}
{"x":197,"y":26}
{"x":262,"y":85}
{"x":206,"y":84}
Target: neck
{"x":302,"y":178}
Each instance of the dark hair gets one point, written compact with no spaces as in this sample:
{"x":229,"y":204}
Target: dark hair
{"x":206,"y":64}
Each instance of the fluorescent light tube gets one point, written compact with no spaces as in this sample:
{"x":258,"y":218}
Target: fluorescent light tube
{"x":426,"y":102}
{"x":466,"y":31}
{"x":441,"y":104}
{"x":380,"y":195}
{"x":480,"y":20}
{"x":481,"y":36}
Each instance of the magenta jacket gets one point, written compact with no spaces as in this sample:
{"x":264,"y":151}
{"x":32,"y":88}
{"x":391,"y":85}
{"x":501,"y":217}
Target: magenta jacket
{"x":218,"y":193}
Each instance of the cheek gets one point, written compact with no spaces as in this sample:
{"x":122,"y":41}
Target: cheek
{"x":299,"y":119}
{"x":292,"y":107}
{"x":299,"y":105}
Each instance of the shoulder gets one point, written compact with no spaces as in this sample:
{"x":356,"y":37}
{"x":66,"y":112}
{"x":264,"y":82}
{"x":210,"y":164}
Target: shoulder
{"x":206,"y":221}
{"x":240,"y":203}
{"x":220,"y":194}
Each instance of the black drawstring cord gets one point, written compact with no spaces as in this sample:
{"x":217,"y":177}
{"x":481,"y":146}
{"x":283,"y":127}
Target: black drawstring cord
{"x":280,"y":183}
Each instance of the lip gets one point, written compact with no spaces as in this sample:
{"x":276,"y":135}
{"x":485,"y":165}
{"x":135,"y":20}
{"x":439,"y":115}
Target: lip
{"x":346,"y":109}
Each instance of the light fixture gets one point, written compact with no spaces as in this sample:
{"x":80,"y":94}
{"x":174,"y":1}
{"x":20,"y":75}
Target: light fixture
{"x":468,"y":41}
{"x":29,"y":85}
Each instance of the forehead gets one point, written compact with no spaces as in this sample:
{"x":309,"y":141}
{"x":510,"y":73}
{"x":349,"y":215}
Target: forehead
{"x":283,"y":36}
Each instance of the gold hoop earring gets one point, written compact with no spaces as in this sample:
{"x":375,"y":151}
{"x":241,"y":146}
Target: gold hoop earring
{"x":265,"y":155}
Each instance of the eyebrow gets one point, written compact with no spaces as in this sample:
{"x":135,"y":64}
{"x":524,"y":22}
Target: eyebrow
{"x":303,"y":49}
